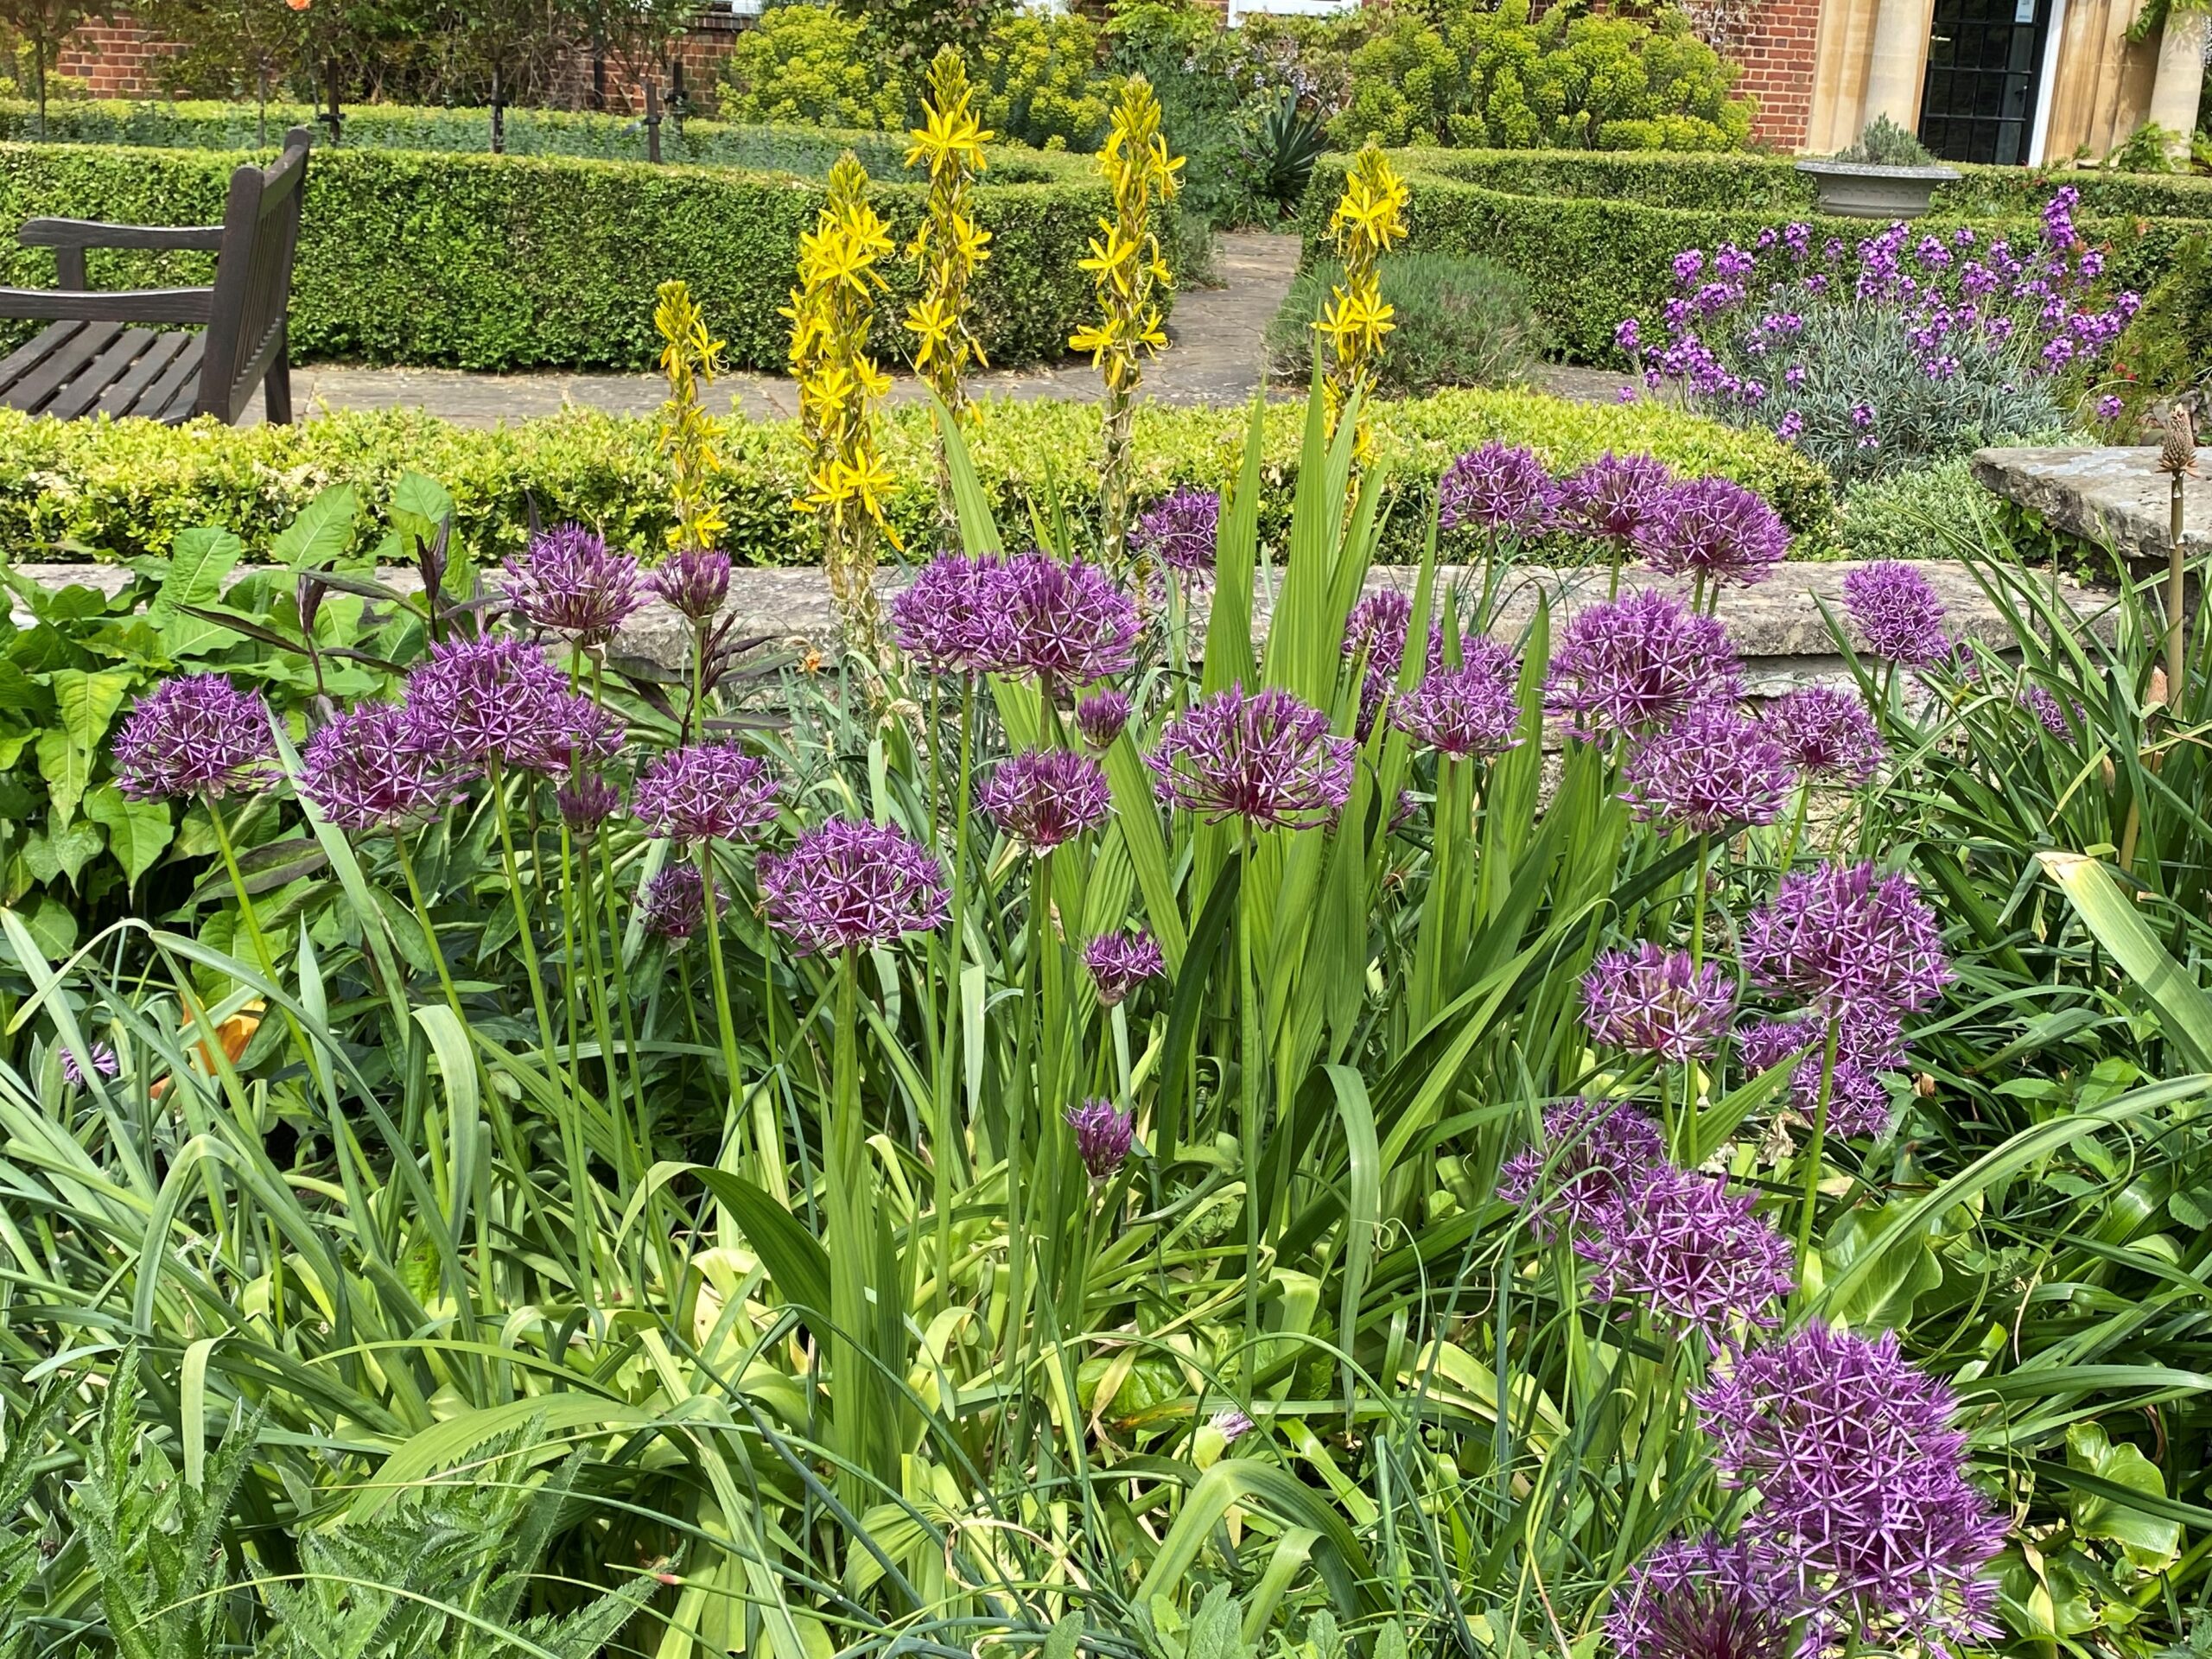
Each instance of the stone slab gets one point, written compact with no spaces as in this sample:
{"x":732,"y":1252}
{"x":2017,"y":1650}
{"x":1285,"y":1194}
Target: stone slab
{"x":2116,"y":497}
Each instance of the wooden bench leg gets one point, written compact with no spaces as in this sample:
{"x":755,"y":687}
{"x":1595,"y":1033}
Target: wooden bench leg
{"x":277,"y":390}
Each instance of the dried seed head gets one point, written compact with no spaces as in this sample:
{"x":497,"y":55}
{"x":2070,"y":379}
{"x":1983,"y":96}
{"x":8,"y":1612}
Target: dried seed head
{"x":2178,"y":455}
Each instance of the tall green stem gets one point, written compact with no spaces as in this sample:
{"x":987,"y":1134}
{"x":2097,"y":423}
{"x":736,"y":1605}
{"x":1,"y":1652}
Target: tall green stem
{"x":1815,"y":1148}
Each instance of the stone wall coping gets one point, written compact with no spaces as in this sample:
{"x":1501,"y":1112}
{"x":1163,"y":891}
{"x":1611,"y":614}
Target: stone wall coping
{"x":2115,"y":496}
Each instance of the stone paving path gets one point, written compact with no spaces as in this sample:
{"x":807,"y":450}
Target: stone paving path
{"x":1215,"y":356}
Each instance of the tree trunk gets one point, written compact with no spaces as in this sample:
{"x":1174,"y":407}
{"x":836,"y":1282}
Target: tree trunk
{"x":652,"y":116}
{"x":38,"y":74}
{"x":499,"y":115}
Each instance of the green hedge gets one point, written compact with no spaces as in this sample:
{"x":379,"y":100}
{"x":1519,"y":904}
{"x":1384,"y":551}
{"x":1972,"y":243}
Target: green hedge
{"x":116,"y":491}
{"x":1594,"y":235}
{"x":162,"y":124}
{"x":505,"y":262}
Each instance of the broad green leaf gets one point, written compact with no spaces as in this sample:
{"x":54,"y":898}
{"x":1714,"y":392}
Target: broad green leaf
{"x":203,"y":559}
{"x":63,"y":853}
{"x":2151,"y":1542}
{"x":322,"y":532}
{"x":138,"y":832}
{"x":84,"y":703}
{"x":52,"y":925}
{"x":422,"y":499}
{"x":2184,"y":1010}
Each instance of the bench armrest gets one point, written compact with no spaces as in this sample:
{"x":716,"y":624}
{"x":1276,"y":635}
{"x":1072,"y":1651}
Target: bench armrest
{"x":91,"y":233}
{"x":131,"y":305}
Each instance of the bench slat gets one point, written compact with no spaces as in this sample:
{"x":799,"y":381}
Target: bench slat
{"x":174,"y":395}
{"x":122,"y":398}
{"x":63,"y":364}
{"x":32,"y":351}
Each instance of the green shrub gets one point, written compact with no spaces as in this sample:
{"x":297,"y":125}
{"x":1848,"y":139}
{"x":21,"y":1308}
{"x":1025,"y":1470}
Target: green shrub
{"x":1925,"y":512}
{"x":1883,"y":142}
{"x":120,"y":491}
{"x":2168,"y":348}
{"x":1456,"y":322}
{"x":485,"y":262}
{"x":809,"y":63}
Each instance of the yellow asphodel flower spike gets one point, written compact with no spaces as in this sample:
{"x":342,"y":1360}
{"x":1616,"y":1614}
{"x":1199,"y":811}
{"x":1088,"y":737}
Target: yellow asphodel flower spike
{"x":948,"y":248}
{"x":1369,"y":221}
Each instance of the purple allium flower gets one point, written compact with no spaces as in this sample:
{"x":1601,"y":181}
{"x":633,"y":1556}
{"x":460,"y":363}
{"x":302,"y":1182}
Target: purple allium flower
{"x":586,"y":801}
{"x":1119,"y":963}
{"x":1897,"y":613}
{"x":1468,"y":710}
{"x":956,"y":616}
{"x":1499,"y":489}
{"x":1592,"y":1151}
{"x":1070,"y":622}
{"x":195,"y":735}
{"x":1715,"y":528}
{"x":1614,"y":494}
{"x":1680,"y":1244}
{"x":1702,"y":1600}
{"x":673,"y":907}
{"x":1846,"y":935}
{"x":1657,"y":1001}
{"x":1376,"y":628}
{"x":1826,"y":733}
{"x":1639,"y":662}
{"x":1100,"y":717}
{"x":2049,"y":713}
{"x":577,"y":735}
{"x":490,"y":699}
{"x":1180,"y":530}
{"x":1711,"y":770}
{"x":1043,"y":797}
{"x":104,"y":1063}
{"x":1103,"y":1136}
{"x":1869,"y":1040}
{"x":568,"y":582}
{"x":1862,"y":1492}
{"x":705,"y":791}
{"x":1230,"y":1424}
{"x":693,"y":579}
{"x":369,"y":769}
{"x":846,"y":884}
{"x":1266,"y":757}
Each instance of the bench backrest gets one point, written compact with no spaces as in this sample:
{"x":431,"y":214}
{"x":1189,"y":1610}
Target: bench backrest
{"x":254,"y":278}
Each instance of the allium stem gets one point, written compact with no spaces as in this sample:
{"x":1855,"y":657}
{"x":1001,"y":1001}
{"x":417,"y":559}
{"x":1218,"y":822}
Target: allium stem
{"x":1248,"y":1084}
{"x":768,"y":1149}
{"x":858,"y":1413}
{"x":525,"y":935}
{"x":1796,"y":828}
{"x":943,"y":1135}
{"x":2176,"y":594}
{"x":1814,"y":1150}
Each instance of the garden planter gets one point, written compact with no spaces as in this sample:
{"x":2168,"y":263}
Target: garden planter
{"x":1862,"y":190}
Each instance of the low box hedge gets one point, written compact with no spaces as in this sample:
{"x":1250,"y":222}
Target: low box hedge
{"x":512,"y":262}
{"x":1595,"y":235}
{"x":114,"y":491}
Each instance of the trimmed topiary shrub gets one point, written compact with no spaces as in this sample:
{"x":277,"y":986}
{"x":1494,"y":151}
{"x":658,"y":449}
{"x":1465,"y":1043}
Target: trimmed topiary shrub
{"x":1456,"y":322}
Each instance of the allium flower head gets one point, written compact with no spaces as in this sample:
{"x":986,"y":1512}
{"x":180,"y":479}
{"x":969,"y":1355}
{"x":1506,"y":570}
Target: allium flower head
{"x":1713,"y":528}
{"x":1100,"y":717}
{"x":1499,"y":489}
{"x":1230,"y":1424}
{"x":673,"y":907}
{"x":576,"y":734}
{"x":705,"y":792}
{"x":694,"y":581}
{"x":195,"y":735}
{"x":847,"y":884}
{"x":1045,"y":797}
{"x":1266,"y":757}
{"x":1898,"y":613}
{"x":1846,"y":935}
{"x":1826,"y":733}
{"x":1638,"y":663}
{"x":1702,"y":1600}
{"x":586,"y":802}
{"x":1103,"y":1136}
{"x":1119,"y":963}
{"x":1863,"y":1495}
{"x":490,"y":699}
{"x":1376,"y":630}
{"x":1711,"y":770}
{"x":1070,"y":622}
{"x":1868,"y":1041}
{"x":1592,"y":1151}
{"x":1655,"y":1001}
{"x":568,"y":582}
{"x":955,"y":616}
{"x":2049,"y":713}
{"x":369,"y":769}
{"x":1180,"y":530}
{"x":1614,"y":494}
{"x":1683,"y":1247}
{"x":104,"y":1063}
{"x":1468,"y":710}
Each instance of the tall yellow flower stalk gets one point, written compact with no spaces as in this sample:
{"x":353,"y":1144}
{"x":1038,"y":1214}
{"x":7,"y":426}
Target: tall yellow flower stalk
{"x":949,"y":247}
{"x":690,"y":357}
{"x":1130,"y":276}
{"x":1370,"y":219}
{"x":838,"y":386}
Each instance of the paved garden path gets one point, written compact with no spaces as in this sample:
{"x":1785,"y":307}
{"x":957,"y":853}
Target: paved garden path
{"x":1216,"y":356}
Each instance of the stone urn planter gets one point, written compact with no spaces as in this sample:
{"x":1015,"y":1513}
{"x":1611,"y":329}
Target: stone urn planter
{"x":1862,"y":190}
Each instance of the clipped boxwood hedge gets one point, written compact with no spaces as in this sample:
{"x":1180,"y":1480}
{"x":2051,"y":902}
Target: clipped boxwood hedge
{"x":114,"y":491}
{"x":1595,"y":235}
{"x":509,"y":262}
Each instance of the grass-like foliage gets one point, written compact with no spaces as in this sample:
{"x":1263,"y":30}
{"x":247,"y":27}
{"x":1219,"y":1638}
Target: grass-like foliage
{"x":1456,"y":322}
{"x":1119,"y":1131}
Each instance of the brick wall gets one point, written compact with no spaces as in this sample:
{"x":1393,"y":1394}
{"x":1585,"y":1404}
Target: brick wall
{"x":1777,"y":53}
{"x":118,"y":59}
{"x":587,"y":83}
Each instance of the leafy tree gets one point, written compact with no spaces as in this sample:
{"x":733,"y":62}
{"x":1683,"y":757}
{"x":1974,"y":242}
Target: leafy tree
{"x":913,"y":29}
{"x":43,"y":25}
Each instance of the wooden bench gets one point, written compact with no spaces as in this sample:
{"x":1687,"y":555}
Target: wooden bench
{"x":101,"y":357}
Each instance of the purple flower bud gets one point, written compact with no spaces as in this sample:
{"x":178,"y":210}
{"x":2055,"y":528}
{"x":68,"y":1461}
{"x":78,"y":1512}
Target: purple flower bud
{"x":706,"y":792}
{"x":568,"y":583}
{"x":369,"y":769}
{"x":1657,"y":1002}
{"x":1119,"y":963}
{"x":674,"y":906}
{"x":694,"y":581}
{"x":1266,"y":757}
{"x":586,"y":802}
{"x":104,"y":1063}
{"x":1100,"y":718}
{"x":1044,"y":797}
{"x":195,"y":734}
{"x":1103,"y":1136}
{"x":846,"y":885}
{"x":1230,"y":1424}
